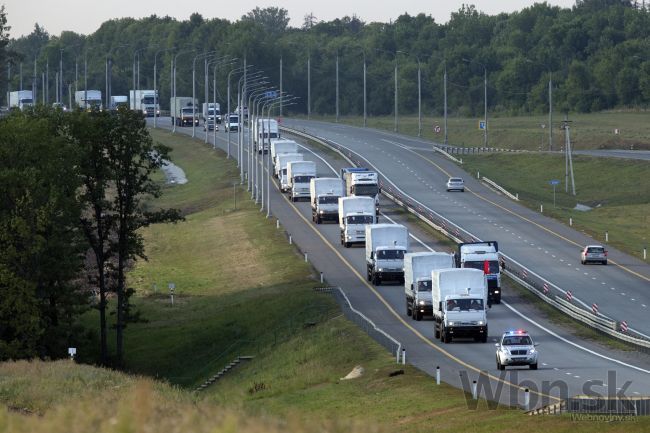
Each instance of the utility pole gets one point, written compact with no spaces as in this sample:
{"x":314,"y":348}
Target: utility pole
{"x":485,"y":131}
{"x":337,"y":87}
{"x":568,"y":160}
{"x":550,"y":111}
{"x":309,"y":86}
{"x":445,"y":91}
{"x":281,"y":94}
{"x":419,"y":100}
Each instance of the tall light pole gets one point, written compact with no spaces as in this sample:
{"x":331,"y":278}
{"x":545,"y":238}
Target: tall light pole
{"x":205,"y":55}
{"x":156,"y":101}
{"x":485,"y":127}
{"x":257,"y":91}
{"x":174,"y":81}
{"x":235,"y":70}
{"x":215,"y":63}
{"x":337,"y":86}
{"x":419,"y":91}
{"x":309,"y":85}
{"x":445,"y":109}
{"x":394,"y":54}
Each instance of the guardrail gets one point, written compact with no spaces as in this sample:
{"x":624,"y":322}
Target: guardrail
{"x":544,"y":289}
{"x":493,"y":184}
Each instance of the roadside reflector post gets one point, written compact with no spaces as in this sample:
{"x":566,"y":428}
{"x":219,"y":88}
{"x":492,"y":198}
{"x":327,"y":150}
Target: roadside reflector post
{"x":478,"y":174}
{"x":517,"y":195}
{"x":526,"y":399}
{"x":570,"y":222}
{"x":305,"y":257}
{"x":290,"y":240}
{"x":606,"y":236}
{"x":397,"y":352}
{"x":403,"y":356}
{"x":474,"y":393}
{"x":438,"y":375}
{"x":644,"y":253}
{"x":541,"y":208}
{"x":321,"y":278}
{"x":277,"y":224}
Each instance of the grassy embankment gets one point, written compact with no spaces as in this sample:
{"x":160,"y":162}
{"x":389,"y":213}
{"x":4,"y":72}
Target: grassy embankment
{"x":238,"y":280}
{"x":588,"y":131}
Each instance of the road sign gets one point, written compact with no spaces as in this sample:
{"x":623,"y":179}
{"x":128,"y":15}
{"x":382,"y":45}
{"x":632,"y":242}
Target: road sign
{"x":554,"y":182}
{"x":481,"y":124}
{"x":437,"y":128}
{"x":270,"y":94}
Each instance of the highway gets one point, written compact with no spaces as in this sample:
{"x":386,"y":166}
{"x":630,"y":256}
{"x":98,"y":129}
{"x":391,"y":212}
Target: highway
{"x":574,"y":363}
{"x":551,"y":249}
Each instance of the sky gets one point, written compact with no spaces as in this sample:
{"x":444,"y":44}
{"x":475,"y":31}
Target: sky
{"x":85,"y":16}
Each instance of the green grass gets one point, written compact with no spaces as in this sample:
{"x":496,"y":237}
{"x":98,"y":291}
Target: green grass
{"x":618,"y":190}
{"x":238,"y":281}
{"x":588,"y":131}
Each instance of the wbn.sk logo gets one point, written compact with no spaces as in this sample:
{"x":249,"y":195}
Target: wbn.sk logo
{"x":548,"y":393}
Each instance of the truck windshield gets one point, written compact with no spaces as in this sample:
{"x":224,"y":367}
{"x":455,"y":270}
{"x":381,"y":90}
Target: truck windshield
{"x":424,"y":286}
{"x":302,"y":179}
{"x":390,"y":254}
{"x":475,"y":304}
{"x":187,"y":110}
{"x":26,"y":101}
{"x":211,"y":112}
{"x":493,"y":264}
{"x":147,"y":100}
{"x":328,"y":199}
{"x":234,"y":119}
{"x":360,"y":219}
{"x":284,"y":171}
{"x":369,"y":190}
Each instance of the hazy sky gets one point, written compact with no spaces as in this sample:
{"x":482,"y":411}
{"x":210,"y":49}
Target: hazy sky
{"x":85,"y":16}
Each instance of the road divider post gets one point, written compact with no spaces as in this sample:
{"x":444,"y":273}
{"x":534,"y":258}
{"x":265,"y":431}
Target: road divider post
{"x":474,"y":390}
{"x":438,"y":375}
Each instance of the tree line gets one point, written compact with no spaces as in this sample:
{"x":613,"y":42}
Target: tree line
{"x":73,"y":193}
{"x":596,"y":53}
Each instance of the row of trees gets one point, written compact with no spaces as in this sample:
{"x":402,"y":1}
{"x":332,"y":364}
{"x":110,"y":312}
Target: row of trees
{"x":72,"y":187}
{"x":597,"y":53}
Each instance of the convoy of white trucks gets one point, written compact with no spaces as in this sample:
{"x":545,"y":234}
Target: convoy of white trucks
{"x":324,"y":193}
{"x":417,"y":280}
{"x":359,"y":181}
{"x":459,"y":298}
{"x":299,"y":175}
{"x":184,"y":110}
{"x":88,"y":99}
{"x":354,"y":214}
{"x":145,"y":101}
{"x":386,"y":245}
{"x":485,"y":257}
{"x":21,"y":99}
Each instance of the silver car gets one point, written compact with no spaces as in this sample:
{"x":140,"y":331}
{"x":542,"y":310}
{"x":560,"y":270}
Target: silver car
{"x":516,"y":348}
{"x":455,"y":184}
{"x":593,"y":253}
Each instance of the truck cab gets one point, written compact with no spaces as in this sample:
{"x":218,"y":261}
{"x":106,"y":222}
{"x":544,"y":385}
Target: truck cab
{"x":354,"y":214}
{"x":485,"y":257}
{"x":324,"y":193}
{"x":299,"y":176}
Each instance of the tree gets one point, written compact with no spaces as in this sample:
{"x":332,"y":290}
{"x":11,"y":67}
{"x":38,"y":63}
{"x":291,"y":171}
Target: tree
{"x":274,"y":20}
{"x":132,"y":159}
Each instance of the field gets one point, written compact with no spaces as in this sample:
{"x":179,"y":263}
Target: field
{"x":240,"y":290}
{"x":588,"y":131}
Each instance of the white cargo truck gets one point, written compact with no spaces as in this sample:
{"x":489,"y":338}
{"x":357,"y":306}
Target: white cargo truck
{"x":280,"y":168}
{"x":211,"y":112}
{"x":281,"y":145}
{"x":145,"y":101}
{"x":118,"y":101}
{"x":459,"y":298}
{"x":360,"y":181}
{"x":184,"y":110}
{"x":88,"y":99}
{"x":386,"y":245}
{"x":483,"y":256}
{"x":324,"y":193}
{"x":265,"y":130}
{"x":354,"y":214}
{"x":21,"y":99}
{"x":299,"y":174}
{"x":417,"y":280}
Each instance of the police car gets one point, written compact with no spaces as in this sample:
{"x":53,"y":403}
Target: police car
{"x":516,"y":348}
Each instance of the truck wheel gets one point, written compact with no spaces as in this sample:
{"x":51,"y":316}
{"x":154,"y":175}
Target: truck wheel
{"x":499,"y":365}
{"x":484,"y":337}
{"x":418,"y":315}
{"x":318,"y":219}
{"x":346,"y":244}
{"x":408,"y":308}
{"x":446,"y":338}
{"x":376,"y":280}
{"x":369,"y":274}
{"x":437,"y":331}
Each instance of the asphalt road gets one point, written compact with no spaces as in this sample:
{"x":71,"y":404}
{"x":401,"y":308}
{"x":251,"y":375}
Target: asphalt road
{"x":551,"y":249}
{"x":564,"y":361}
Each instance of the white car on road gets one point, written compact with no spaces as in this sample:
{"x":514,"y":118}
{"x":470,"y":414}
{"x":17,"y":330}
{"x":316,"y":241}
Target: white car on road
{"x":516,"y":348}
{"x":455,"y":184}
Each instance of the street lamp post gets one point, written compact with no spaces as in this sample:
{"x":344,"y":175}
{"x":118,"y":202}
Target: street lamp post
{"x":550,"y":102}
{"x":257,"y":92}
{"x":419,"y":91}
{"x":394,"y":54}
{"x":225,"y":60}
{"x":156,"y":101}
{"x":174,"y":83}
{"x":206,"y":55}
{"x":235,"y":70}
{"x":337,"y":86}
